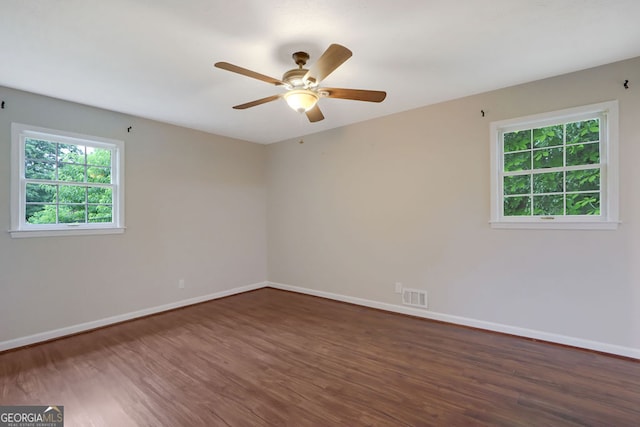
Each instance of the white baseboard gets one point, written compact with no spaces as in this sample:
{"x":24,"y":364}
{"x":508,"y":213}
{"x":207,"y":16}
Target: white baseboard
{"x":480,"y":324}
{"x":458,"y":320}
{"x":82,"y":327}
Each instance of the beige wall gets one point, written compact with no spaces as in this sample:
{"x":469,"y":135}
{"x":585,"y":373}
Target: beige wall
{"x":405,"y":198}
{"x":195,"y":209}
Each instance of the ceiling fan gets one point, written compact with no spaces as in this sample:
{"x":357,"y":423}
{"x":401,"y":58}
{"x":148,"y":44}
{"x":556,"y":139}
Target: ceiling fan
{"x":303,"y":90}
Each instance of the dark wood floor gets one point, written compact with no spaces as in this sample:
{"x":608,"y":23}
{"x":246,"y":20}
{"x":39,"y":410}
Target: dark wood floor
{"x":270,"y":357}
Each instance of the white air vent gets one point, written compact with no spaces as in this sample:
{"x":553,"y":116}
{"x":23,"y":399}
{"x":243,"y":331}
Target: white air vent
{"x":414,"y":297}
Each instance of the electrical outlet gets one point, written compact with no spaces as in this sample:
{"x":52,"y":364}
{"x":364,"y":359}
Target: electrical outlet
{"x":181,"y":284}
{"x":398,"y":288}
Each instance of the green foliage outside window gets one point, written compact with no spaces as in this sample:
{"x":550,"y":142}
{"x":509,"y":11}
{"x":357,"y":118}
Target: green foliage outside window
{"x":71,"y":193}
{"x":552,"y":170}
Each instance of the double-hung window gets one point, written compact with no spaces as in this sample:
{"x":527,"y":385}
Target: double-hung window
{"x":65,"y":183}
{"x":556,"y":170}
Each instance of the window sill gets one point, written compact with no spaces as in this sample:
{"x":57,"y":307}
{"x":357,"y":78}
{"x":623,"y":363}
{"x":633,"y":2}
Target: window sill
{"x":559,"y":225}
{"x":20,"y":234}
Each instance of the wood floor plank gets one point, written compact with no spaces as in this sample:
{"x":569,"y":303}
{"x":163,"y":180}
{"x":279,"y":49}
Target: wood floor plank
{"x":270,"y":357}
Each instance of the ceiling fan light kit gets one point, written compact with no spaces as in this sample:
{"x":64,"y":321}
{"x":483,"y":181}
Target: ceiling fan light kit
{"x":301,"y":100}
{"x":303,"y":91}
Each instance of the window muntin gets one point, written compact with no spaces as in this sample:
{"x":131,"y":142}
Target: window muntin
{"x":65,"y":182}
{"x":556,"y":168}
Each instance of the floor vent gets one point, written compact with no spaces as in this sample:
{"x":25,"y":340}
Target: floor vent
{"x":414,"y":297}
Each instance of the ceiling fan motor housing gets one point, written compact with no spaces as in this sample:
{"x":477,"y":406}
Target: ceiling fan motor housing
{"x":294,"y":78}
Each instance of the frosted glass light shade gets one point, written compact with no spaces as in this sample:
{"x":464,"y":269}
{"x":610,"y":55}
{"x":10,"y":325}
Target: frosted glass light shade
{"x":301,"y":100}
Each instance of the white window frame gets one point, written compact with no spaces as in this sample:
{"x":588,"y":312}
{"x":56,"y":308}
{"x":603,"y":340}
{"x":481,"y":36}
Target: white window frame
{"x":608,"y":218}
{"x":19,"y":227}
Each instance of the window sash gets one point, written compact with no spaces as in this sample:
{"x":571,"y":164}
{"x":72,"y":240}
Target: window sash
{"x":57,"y":203}
{"x":606,"y":112}
{"x":21,"y":228}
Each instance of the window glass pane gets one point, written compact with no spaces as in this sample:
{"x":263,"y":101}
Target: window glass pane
{"x":99,"y":195}
{"x":70,"y":172}
{"x":98,"y":157}
{"x":583,"y":154}
{"x":68,"y":214}
{"x":517,"y":184}
{"x":583,"y":180}
{"x":547,"y":158}
{"x":40,"y":214}
{"x":517,"y":161}
{"x":100,"y":213}
{"x":517,"y":206}
{"x":41,"y":193}
{"x":584,"y":131}
{"x":548,"y":205}
{"x":517,"y":141}
{"x":549,"y":136}
{"x":39,"y":170}
{"x":70,"y":153}
{"x":583,"y":204}
{"x":547,"y":182}
{"x":99,"y":174}
{"x":36,"y":149}
{"x":72,"y":194}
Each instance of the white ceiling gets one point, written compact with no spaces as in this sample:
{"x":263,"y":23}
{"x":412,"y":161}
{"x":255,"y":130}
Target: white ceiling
{"x":154,"y":58}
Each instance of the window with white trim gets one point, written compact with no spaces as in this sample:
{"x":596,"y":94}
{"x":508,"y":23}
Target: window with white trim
{"x":65,"y":183}
{"x":556,"y":170}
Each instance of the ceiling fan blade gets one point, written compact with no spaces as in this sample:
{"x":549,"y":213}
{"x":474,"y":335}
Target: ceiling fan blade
{"x":256,"y":102}
{"x":248,"y":73}
{"x":354,"y":94}
{"x":314,"y":114}
{"x":332,"y":58}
